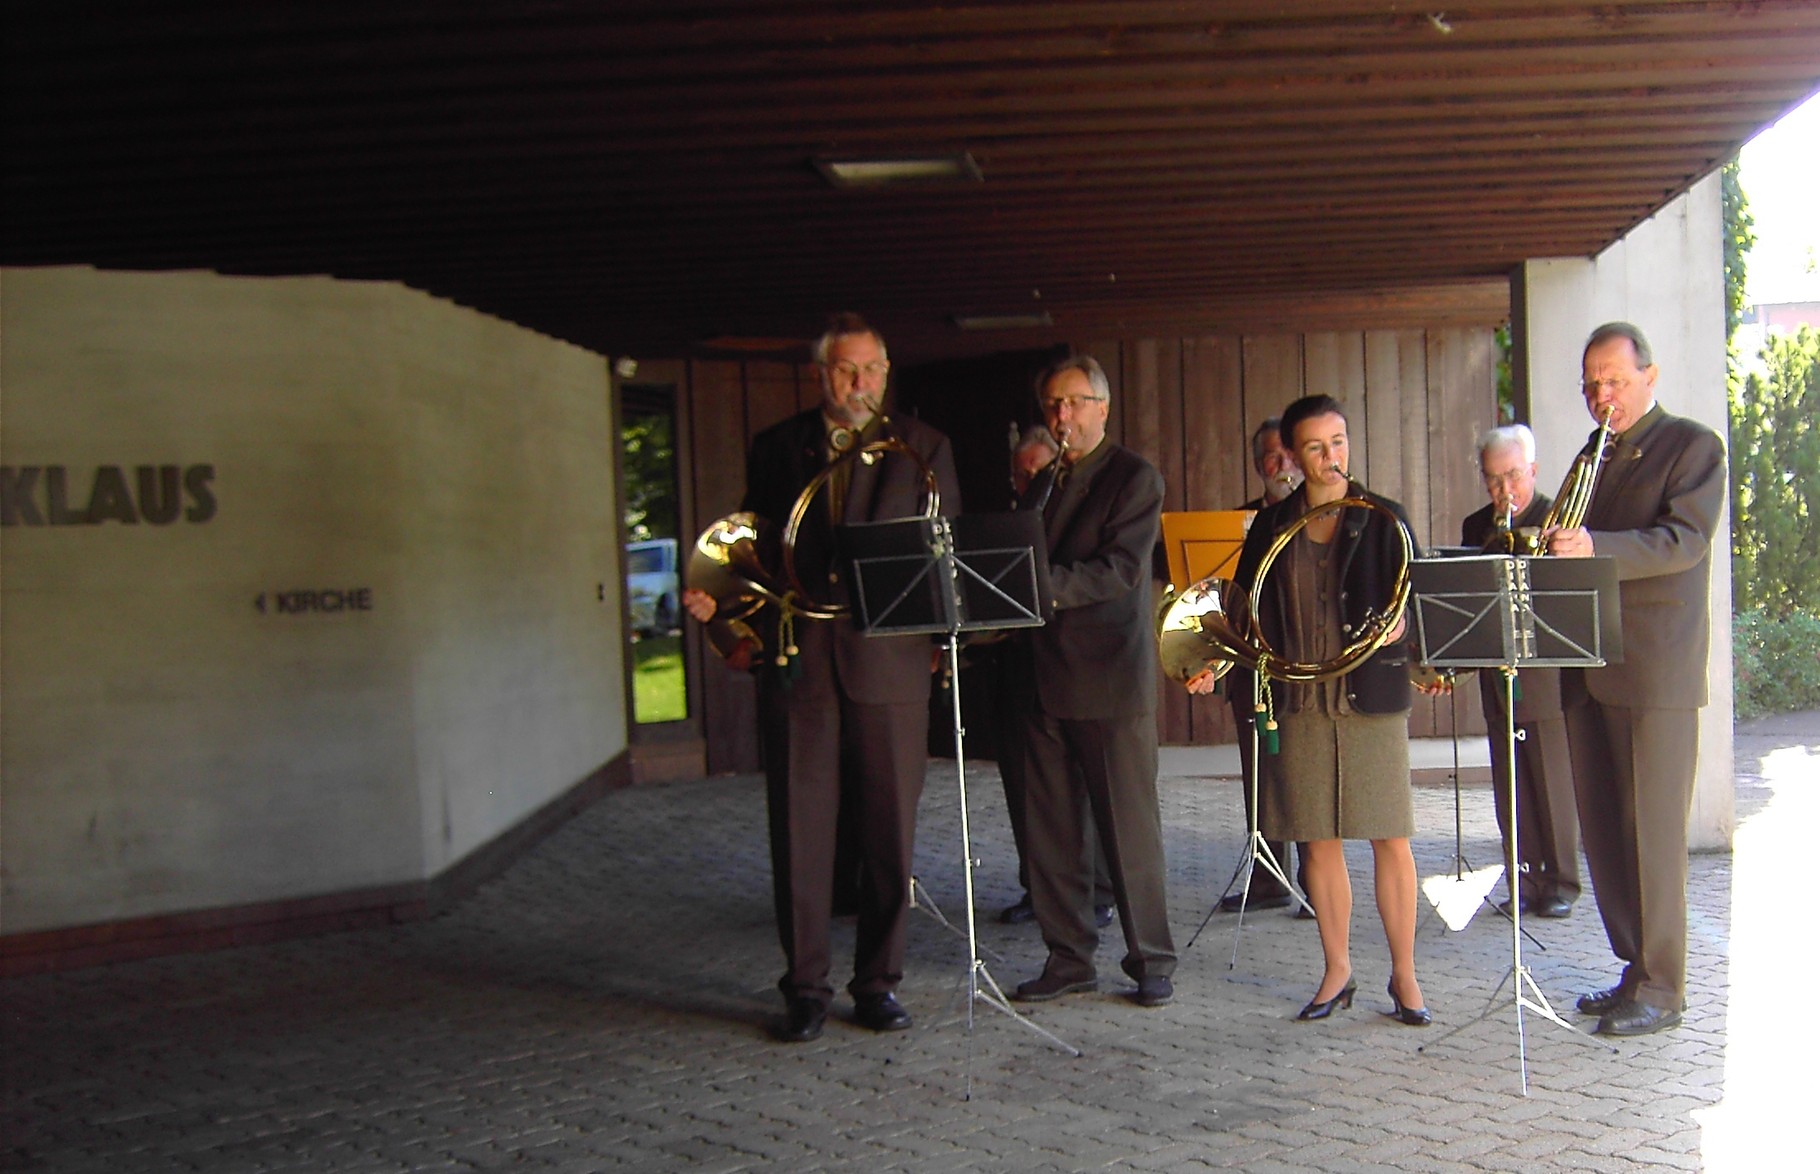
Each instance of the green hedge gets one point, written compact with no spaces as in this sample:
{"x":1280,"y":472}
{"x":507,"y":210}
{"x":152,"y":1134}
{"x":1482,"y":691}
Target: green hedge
{"x":1775,"y":663}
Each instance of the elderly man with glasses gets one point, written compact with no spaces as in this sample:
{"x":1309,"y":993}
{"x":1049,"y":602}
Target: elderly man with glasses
{"x":1089,"y":727}
{"x":1548,"y":835}
{"x":1634,"y":726}
{"x":843,"y":716}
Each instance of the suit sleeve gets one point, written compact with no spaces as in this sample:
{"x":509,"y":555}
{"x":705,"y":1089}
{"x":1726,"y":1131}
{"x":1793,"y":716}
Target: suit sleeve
{"x":1122,"y":558}
{"x":1682,"y":532}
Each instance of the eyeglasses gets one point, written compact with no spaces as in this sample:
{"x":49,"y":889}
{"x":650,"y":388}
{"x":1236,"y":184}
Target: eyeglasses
{"x":1513,"y":477}
{"x":851,"y":372}
{"x":1593,"y":387}
{"x":1053,"y":407}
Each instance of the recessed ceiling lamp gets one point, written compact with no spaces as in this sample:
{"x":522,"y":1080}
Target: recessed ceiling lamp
{"x":1003,"y":321}
{"x":910,"y":169}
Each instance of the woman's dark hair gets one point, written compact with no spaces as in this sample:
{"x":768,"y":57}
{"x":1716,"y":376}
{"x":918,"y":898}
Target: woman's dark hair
{"x":1307,"y":408}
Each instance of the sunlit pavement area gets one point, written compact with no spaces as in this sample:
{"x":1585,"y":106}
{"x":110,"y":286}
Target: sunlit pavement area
{"x":603,"y":1004}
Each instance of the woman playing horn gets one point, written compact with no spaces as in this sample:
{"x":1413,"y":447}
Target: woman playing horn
{"x":1344,"y":766}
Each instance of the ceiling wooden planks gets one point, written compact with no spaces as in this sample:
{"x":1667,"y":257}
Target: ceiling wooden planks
{"x":636,"y":176}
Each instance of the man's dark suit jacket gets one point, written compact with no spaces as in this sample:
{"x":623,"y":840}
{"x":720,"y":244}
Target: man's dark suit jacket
{"x":1097,"y":657}
{"x":1655,"y":511}
{"x":873,"y":670}
{"x":1540,"y":695}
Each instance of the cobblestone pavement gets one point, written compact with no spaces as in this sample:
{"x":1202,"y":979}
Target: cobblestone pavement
{"x":603,"y":1005}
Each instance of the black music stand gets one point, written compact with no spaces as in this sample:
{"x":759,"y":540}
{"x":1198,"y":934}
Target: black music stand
{"x":1504,"y":612}
{"x":976,"y":573}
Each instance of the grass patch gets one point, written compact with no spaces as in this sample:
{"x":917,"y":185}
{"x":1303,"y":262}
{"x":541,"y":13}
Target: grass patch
{"x":659,"y":692}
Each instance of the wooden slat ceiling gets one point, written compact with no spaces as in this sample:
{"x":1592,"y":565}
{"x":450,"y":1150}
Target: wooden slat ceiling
{"x":637,"y":176}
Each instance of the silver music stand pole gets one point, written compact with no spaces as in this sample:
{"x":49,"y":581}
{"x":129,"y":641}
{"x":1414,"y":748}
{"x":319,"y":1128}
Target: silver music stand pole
{"x":1456,"y":618}
{"x":911,"y":577}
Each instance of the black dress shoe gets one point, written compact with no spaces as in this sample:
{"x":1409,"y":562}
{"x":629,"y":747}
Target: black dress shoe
{"x":1599,"y":1002}
{"x":1408,"y":1016}
{"x":802,"y":1022}
{"x":1019,"y":913}
{"x":1553,"y":907}
{"x":1523,"y":906}
{"x":1046,"y":986}
{"x":880,"y":1012}
{"x":1152,"y":991}
{"x":1102,"y":915}
{"x":1341,"y":1001}
{"x":1231,"y":902}
{"x":1633,"y":1018}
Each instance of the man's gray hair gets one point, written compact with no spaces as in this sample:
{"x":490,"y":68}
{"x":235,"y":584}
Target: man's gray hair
{"x":1087,"y":365}
{"x":839,"y":326}
{"x":1613,"y":330}
{"x":1036,"y":436}
{"x":1274,"y":424}
{"x":1510,"y":434}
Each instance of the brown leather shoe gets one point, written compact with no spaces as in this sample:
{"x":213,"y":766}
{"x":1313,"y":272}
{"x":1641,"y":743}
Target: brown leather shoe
{"x":1633,"y":1018}
{"x":1046,"y":986}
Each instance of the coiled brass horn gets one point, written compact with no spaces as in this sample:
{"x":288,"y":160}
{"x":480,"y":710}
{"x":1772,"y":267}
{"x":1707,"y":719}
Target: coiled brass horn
{"x":1213,"y":624}
{"x":734,"y":559}
{"x":1568,"y":511}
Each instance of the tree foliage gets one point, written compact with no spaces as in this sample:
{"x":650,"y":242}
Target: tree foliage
{"x":1739,"y":233}
{"x":650,"y":441}
{"x":1775,"y":460}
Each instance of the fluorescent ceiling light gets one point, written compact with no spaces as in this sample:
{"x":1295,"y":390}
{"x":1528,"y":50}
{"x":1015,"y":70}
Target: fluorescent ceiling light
{"x":911,"y":169}
{"x":1003,"y":321}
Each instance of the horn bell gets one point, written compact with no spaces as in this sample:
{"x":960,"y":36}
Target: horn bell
{"x":1195,"y":631}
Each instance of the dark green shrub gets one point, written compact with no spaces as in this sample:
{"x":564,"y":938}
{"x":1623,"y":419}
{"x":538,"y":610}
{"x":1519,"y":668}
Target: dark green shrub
{"x":1775,"y":663}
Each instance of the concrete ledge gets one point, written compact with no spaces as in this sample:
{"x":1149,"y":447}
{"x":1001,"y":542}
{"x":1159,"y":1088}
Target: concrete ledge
{"x":298,"y":917}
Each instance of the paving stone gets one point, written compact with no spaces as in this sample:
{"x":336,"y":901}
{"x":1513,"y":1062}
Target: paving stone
{"x":602,"y":1005}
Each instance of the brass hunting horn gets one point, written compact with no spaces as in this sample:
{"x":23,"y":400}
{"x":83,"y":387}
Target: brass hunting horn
{"x":1568,"y":512}
{"x":1213,"y":624}
{"x":735,"y":562}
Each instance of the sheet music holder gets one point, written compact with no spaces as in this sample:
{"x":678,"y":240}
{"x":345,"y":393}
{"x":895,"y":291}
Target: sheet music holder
{"x":1508,"y":612}
{"x":1200,"y":543}
{"x":933,"y":575}
{"x":973,"y":573}
{"x":1492,"y":611}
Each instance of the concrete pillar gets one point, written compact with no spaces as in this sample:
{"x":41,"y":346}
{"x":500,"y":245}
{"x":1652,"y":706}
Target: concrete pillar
{"x":1667,"y":276}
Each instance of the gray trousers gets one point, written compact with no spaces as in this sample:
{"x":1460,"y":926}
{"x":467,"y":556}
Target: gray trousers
{"x":1098,"y":775}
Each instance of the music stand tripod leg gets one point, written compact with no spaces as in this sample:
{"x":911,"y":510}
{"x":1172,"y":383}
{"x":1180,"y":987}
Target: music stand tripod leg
{"x":976,"y":966}
{"x":1522,"y":984}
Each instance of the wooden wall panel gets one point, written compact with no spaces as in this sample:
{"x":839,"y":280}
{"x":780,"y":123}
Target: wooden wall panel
{"x":770,"y":394}
{"x":1216,"y":459}
{"x":1216,"y":441}
{"x":1272,"y":373}
{"x":716,"y":465}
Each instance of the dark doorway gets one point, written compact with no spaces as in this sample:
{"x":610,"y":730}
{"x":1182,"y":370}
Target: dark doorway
{"x":982,"y":404}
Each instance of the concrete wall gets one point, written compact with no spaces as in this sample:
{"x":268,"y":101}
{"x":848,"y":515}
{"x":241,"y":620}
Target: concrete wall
{"x":182,"y":730}
{"x":1667,"y":276}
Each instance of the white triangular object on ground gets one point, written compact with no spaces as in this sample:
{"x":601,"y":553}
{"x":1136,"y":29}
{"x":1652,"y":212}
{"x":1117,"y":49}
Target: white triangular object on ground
{"x":1457,"y":898}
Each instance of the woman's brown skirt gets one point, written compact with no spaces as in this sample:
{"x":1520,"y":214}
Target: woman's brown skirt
{"x":1340,"y":778}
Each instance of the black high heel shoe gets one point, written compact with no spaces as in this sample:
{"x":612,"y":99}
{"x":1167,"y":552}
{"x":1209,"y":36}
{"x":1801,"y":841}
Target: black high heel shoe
{"x":1341,"y":1001}
{"x":1408,"y":1016}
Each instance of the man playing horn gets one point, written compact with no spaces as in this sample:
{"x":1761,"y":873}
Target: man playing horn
{"x":1089,"y":728}
{"x":843,"y":717}
{"x":1633,"y":727}
{"x":1547,"y":834}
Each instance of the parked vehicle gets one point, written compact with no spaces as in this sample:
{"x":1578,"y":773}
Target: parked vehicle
{"x":652,"y":589}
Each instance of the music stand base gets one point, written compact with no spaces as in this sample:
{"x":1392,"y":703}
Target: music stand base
{"x":1525,"y":994}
